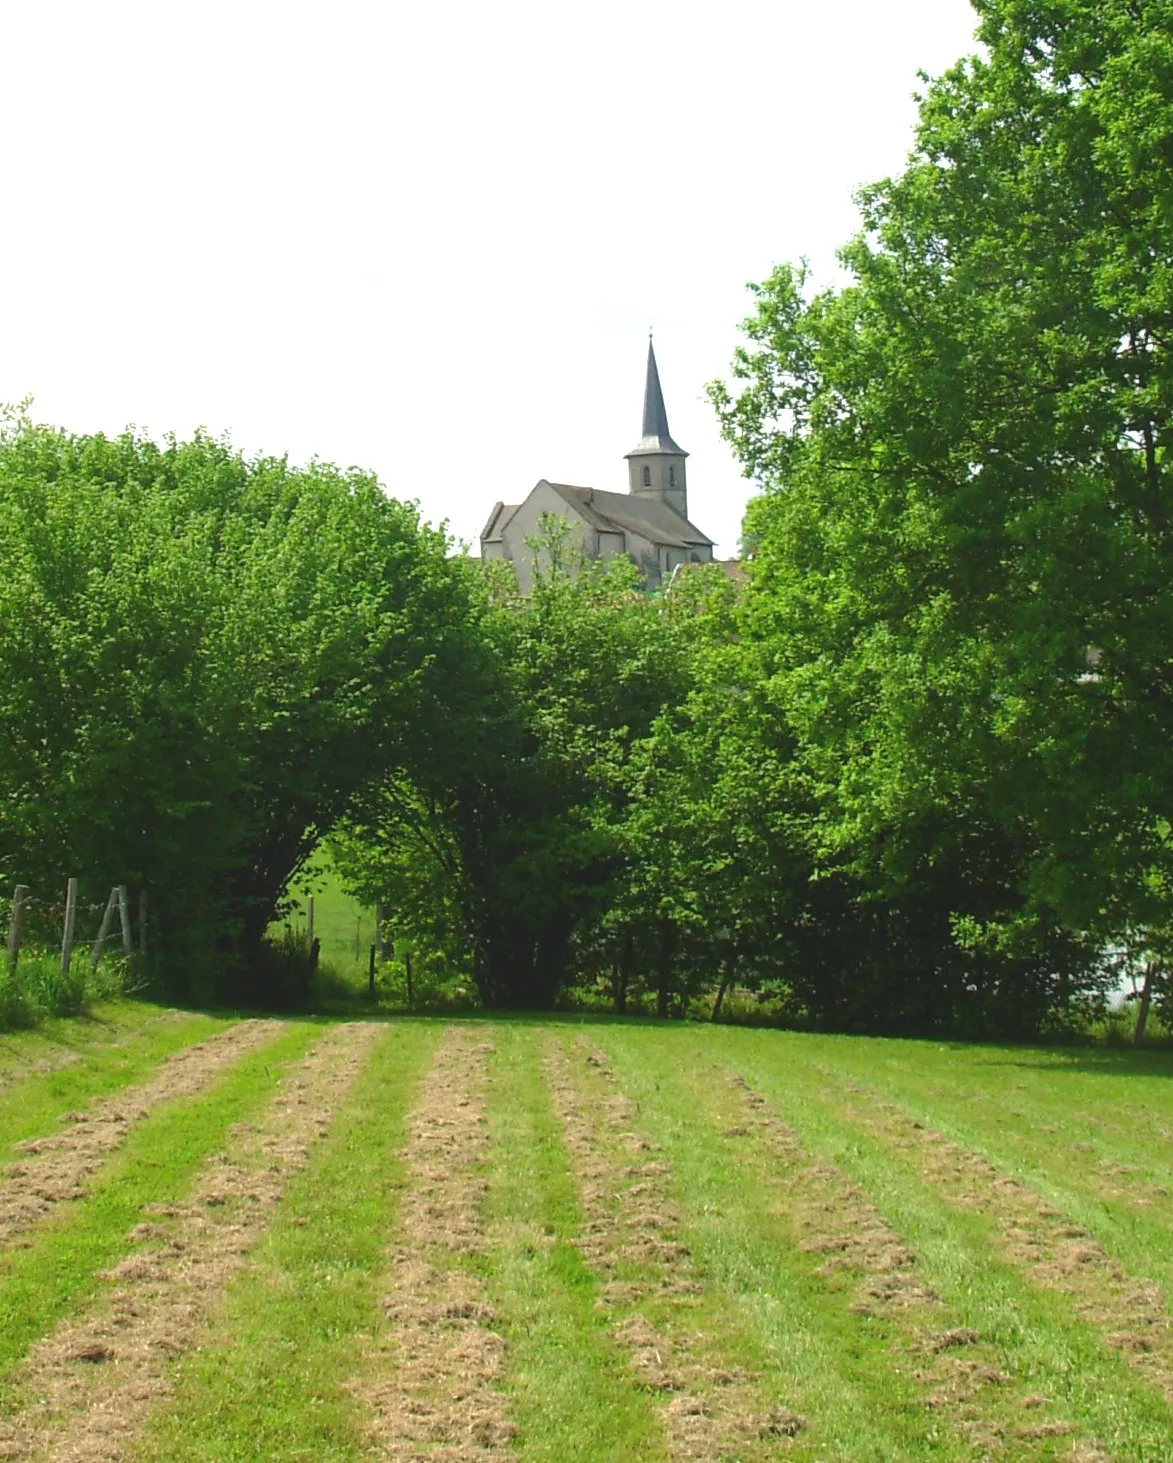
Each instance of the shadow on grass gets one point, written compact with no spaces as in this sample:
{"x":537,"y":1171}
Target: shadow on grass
{"x":1103,"y":1061}
{"x":334,"y":995}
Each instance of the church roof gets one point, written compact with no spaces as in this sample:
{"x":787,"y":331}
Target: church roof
{"x":625,"y":513}
{"x":656,"y":437}
{"x":498,"y":520}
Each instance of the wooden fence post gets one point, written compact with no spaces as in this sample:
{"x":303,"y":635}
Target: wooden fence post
{"x":19,"y":899}
{"x":124,"y":920}
{"x":309,"y":922}
{"x":104,"y":927}
{"x":142,"y":921}
{"x":1146,"y":997}
{"x":70,"y":922}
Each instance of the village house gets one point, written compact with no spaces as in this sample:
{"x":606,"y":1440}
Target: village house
{"x":649,"y":523}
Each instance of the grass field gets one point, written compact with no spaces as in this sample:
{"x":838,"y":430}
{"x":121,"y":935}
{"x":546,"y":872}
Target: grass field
{"x":566,"y":1240}
{"x":345,"y":928}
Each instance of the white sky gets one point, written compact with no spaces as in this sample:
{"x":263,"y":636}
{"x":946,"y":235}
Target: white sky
{"x":430,"y":238}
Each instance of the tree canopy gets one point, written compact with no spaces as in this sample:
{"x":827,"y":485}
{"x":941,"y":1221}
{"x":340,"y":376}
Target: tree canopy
{"x":203,"y":659}
{"x":915,"y":775}
{"x":963,"y":537}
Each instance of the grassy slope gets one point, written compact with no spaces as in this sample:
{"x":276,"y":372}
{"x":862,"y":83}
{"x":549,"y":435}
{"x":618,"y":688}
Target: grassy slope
{"x":1091,"y":1130}
{"x":271,"y":1383}
{"x":59,"y":1039}
{"x":345,"y":928}
{"x":1033,"y":1331}
{"x":830,"y":1366}
{"x":57,"y":1272}
{"x":305,"y":1318}
{"x":60,"y":1068}
{"x":296,"y":1325}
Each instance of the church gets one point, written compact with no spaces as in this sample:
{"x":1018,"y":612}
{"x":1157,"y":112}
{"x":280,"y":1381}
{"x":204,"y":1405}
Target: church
{"x":649,"y":523}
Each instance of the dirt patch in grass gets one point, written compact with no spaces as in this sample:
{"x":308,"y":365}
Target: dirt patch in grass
{"x":92,"y":1383}
{"x":1130,"y":1313}
{"x":54,"y":1169}
{"x":712,"y":1408}
{"x":433,"y":1390}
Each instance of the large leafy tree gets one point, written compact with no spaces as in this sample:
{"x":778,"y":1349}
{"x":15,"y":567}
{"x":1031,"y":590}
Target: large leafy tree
{"x":964,"y":540}
{"x":204,"y":660}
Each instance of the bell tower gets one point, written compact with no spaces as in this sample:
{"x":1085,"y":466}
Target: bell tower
{"x":655,"y":465}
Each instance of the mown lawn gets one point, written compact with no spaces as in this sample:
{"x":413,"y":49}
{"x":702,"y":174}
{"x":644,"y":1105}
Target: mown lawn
{"x":587,"y":1240}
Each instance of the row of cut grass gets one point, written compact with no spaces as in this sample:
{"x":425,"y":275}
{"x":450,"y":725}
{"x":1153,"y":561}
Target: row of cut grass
{"x":573,"y":1397}
{"x":108,"y":1057}
{"x":1062,"y":1123}
{"x":301,"y":1321}
{"x":571,"y":1393}
{"x":837,"y":1369}
{"x":1091,"y":1133}
{"x":1067,"y":1108}
{"x":57,"y":1273}
{"x":304,"y":1319}
{"x":1034,"y":1329}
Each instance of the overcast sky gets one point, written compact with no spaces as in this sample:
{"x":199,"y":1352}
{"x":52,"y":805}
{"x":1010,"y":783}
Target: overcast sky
{"x":429,"y":239}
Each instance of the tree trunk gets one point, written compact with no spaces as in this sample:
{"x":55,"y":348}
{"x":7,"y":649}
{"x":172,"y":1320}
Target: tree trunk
{"x":721,"y":989}
{"x":622,"y":974}
{"x":665,"y":968}
{"x":1146,"y":999}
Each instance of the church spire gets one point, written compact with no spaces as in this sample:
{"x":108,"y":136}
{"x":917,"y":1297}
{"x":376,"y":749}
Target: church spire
{"x":656,"y":436}
{"x":655,"y":464}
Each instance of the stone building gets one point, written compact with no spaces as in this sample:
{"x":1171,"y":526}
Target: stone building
{"x":649,"y":523}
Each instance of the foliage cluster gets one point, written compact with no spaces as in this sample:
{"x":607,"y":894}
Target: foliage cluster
{"x":36,"y":988}
{"x":963,"y":545}
{"x":636,"y":818}
{"x":918,"y":775}
{"x":203,"y":657}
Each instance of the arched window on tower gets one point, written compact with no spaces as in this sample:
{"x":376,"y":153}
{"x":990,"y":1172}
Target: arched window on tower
{"x":672,"y":477}
{"x":647,"y":477}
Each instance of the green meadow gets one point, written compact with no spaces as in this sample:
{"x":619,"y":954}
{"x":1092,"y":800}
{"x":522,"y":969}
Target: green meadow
{"x":582,"y":1239}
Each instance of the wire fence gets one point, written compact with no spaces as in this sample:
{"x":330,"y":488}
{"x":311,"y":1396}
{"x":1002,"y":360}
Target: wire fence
{"x":32,"y":918}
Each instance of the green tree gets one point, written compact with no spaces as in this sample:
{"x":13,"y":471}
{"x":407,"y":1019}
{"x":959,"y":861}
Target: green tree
{"x":520,"y":837}
{"x":204,"y":660}
{"x":963,"y":542}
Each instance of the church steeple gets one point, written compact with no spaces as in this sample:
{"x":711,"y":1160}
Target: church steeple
{"x":655,"y":464}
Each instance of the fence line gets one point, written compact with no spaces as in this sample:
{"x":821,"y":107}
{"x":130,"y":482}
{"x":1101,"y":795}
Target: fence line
{"x":118,"y":904}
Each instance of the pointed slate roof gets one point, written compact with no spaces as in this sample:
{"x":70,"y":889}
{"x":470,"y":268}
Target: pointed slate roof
{"x":656,"y":437}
